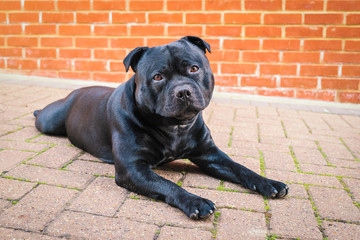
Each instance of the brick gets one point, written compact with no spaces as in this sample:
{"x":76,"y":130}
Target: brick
{"x":50,"y":176}
{"x":10,"y":29}
{"x":126,"y":42}
{"x":242,"y":18}
{"x":349,"y":97}
{"x":340,"y":83}
{"x":125,"y":17}
{"x":303,"y":32}
{"x":294,"y":224}
{"x":22,"y":41}
{"x":22,"y":17}
{"x":71,"y":5}
{"x":50,"y":64}
{"x":109,"y":54}
{"x":109,"y":5}
{"x":159,"y":213}
{"x":3,"y":17}
{"x":252,"y":225}
{"x":91,"y":42}
{"x":138,"y":5}
{"x":39,"y":5}
{"x":110,"y":30}
{"x":352,"y":45}
{"x":339,"y":206}
{"x":37,"y":208}
{"x":90,"y":65}
{"x":238,"y":68}
{"x":152,"y":42}
{"x":298,"y":82}
{"x":326,"y":95}
{"x":316,"y":45}
{"x":262,"y":31}
{"x":226,"y":80}
{"x":277,"y":69}
{"x":165,"y":18}
{"x":211,"y":5}
{"x":148,"y":30}
{"x":339,"y":230}
{"x":92,"y":17}
{"x":343,"y":32}
{"x":10,"y":5}
{"x":351,"y":70}
{"x":93,"y":168}
{"x":241,"y":44}
{"x":332,"y":57}
{"x":258,"y":82}
{"x":75,"y":75}
{"x":56,"y":42}
{"x":40,"y":29}
{"x":110,"y":77}
{"x":74,"y":53}
{"x":178,"y":5}
{"x":301,"y":57}
{"x":305,"y":5}
{"x":282,"y":18}
{"x":74,"y":30}
{"x":106,"y":203}
{"x":168,"y":232}
{"x":22,"y":64}
{"x":234,"y":31}
{"x":268,"y":5}
{"x":55,"y":17}
{"x":117,"y":66}
{"x":353,"y":19}
{"x":338,"y":5}
{"x":183,"y":30}
{"x":324,"y":18}
{"x":281,"y":44}
{"x":260,"y":57}
{"x":202,"y":18}
{"x":318,"y":70}
{"x":77,"y":225}
{"x":10,"y":158}
{"x":40,"y":53}
{"x":224,"y":56}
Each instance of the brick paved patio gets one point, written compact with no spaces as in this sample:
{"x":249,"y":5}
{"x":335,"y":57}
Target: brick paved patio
{"x":50,"y":189}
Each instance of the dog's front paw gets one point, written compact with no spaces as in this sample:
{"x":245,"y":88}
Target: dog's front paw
{"x":197,"y":207}
{"x":271,"y":188}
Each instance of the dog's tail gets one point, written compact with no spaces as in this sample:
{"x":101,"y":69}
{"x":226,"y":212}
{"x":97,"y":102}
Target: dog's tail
{"x":36,"y":113}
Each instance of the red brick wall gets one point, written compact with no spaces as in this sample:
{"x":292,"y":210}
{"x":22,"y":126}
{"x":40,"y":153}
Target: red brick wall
{"x":294,"y":48}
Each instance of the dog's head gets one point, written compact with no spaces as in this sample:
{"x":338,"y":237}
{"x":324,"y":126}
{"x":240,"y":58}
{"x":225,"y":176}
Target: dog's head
{"x":173,"y":80}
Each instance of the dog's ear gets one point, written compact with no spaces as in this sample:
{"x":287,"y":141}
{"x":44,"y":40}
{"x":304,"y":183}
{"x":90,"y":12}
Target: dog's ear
{"x":132,"y":59}
{"x":198,"y":42}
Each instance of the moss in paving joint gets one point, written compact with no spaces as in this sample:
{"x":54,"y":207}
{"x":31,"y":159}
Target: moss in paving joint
{"x":222,"y":188}
{"x":231,"y":136}
{"x":284,"y":129}
{"x":348,"y":192}
{"x":271,"y":236}
{"x":134,"y":197}
{"x":17,"y":179}
{"x":98,"y":175}
{"x":258,"y":130}
{"x":296,"y":162}
{"x":215,"y":223}
{"x":324,"y":154}
{"x":262,"y":164}
{"x":179,"y":183}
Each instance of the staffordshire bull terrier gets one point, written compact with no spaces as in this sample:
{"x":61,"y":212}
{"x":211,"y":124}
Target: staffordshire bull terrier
{"x":152,"y":119}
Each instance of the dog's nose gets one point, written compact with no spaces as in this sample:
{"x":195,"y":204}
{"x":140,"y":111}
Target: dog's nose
{"x":182,"y":94}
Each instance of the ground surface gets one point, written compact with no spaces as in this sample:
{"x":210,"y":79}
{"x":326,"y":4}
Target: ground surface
{"x":50,"y":189}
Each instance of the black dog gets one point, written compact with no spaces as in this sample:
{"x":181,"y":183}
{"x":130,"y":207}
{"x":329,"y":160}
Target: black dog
{"x":153,"y":118}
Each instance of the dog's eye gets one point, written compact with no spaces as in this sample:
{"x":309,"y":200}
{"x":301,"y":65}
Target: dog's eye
{"x":157,"y":77}
{"x":194,"y":69}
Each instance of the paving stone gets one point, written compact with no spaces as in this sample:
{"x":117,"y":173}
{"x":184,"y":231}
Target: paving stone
{"x":280,"y":161}
{"x":334,"y":204}
{"x":336,"y":151}
{"x":6,"y":128}
{"x":12,"y":189}
{"x":176,"y":233}
{"x":88,"y":156}
{"x":50,"y":176}
{"x":345,"y":163}
{"x":4,"y":204}
{"x":245,"y":149}
{"x":6,"y":233}
{"x":341,"y":231}
{"x":245,"y":134}
{"x":22,"y":134}
{"x":93,"y":168}
{"x":52,"y":139}
{"x":101,"y":197}
{"x":298,"y":191}
{"x":10,"y":158}
{"x":352,"y":143}
{"x":37,"y":208}
{"x":27,"y":120}
{"x":83,"y":225}
{"x":306,"y":155}
{"x":200,"y":180}
{"x":160,"y":213}
{"x":236,"y":224}
{"x":236,"y":187}
{"x":354,"y":186}
{"x":293,"y":218}
{"x":169,"y":175}
{"x":56,"y":157}
{"x":303,"y":178}
{"x":336,"y":171}
{"x":231,"y":199}
{"x":18,"y":145}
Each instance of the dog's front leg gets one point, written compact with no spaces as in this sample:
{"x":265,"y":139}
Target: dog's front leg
{"x":218,"y":164}
{"x":138,"y":177}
